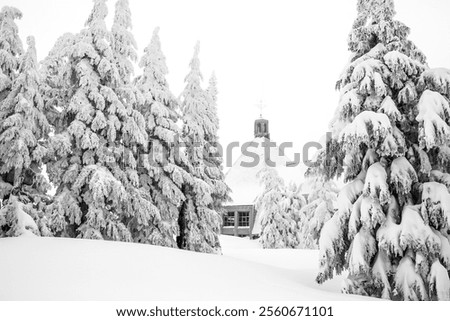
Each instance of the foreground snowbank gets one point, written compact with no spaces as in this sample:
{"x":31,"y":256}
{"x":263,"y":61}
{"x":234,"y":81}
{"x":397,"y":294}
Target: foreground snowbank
{"x":73,"y":269}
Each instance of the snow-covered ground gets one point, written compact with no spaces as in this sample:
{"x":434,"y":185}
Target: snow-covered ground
{"x":35,"y":268}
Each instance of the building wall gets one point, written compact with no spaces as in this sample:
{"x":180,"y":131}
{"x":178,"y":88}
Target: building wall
{"x":237,"y":230}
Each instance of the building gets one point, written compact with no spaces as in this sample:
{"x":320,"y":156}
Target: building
{"x":240,"y":218}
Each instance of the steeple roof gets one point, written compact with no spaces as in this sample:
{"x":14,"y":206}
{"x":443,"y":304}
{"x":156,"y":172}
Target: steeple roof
{"x":242,"y":176}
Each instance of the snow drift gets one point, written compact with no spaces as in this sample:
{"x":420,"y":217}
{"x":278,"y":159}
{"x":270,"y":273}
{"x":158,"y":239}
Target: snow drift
{"x":73,"y":269}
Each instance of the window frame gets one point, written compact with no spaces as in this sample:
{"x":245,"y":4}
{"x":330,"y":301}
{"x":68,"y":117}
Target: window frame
{"x":244,"y":218}
{"x":229,"y":217}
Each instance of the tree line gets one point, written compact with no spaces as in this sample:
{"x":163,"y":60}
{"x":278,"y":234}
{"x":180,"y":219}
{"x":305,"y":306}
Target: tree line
{"x":81,"y":123}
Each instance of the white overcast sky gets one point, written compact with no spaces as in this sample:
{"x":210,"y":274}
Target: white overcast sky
{"x":287,"y":52}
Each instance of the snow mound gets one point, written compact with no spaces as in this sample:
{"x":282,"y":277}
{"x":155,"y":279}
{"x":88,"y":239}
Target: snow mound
{"x":74,"y":269}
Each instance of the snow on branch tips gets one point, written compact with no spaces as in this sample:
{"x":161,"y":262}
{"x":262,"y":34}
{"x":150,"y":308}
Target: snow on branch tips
{"x":388,"y":235}
{"x":408,"y":283}
{"x":346,"y":197}
{"x":402,"y":176}
{"x":389,"y":108}
{"x":369,"y":76}
{"x":367,"y":128}
{"x":440,"y":177}
{"x":434,"y":114}
{"x":437,"y":79}
{"x":375,"y":184}
{"x":439,"y":281}
{"x":436,"y":205}
{"x":415,"y":234}
{"x":362,"y":250}
{"x":403,"y":65}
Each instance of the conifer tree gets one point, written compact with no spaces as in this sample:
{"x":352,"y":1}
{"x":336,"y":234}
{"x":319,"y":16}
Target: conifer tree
{"x":278,"y":207}
{"x":160,"y":171}
{"x":23,"y":130}
{"x":391,"y":227}
{"x":213,"y":157}
{"x":321,"y":199}
{"x":11,"y":50}
{"x":140,"y":201}
{"x":320,"y":208}
{"x":199,"y":222}
{"x":92,"y":161}
{"x":292,"y":204}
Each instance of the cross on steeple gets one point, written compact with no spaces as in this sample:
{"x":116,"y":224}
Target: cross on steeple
{"x":261,"y":105}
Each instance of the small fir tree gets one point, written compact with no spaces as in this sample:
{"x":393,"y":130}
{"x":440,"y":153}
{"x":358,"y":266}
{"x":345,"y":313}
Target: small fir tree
{"x":320,"y":208}
{"x":321,"y":199}
{"x":279,"y":210}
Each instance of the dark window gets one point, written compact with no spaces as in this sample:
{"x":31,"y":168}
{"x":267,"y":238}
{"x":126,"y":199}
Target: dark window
{"x":228,"y":219}
{"x":244,"y":219}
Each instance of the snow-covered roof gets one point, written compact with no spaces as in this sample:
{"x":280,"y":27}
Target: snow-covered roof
{"x":242,"y":176}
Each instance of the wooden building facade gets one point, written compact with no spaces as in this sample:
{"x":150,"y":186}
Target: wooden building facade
{"x":238,"y":220}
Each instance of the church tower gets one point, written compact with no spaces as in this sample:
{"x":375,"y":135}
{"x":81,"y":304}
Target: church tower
{"x":261,"y":124}
{"x":240,"y":217}
{"x":262,"y":128}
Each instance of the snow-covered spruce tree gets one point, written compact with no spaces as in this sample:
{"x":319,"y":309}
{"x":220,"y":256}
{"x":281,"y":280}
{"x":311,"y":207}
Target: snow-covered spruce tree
{"x":146,"y":214}
{"x":278,"y":208}
{"x":23,"y":129}
{"x":391,"y":227}
{"x":11,"y":50}
{"x":160,"y":173}
{"x":213,"y":157}
{"x":292,"y":204}
{"x":199,"y":223}
{"x":91,"y":158}
{"x":321,"y":200}
{"x":320,"y":208}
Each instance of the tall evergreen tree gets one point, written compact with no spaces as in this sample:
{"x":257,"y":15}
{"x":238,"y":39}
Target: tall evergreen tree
{"x":199,"y":222}
{"x":23,"y":130}
{"x":160,"y":171}
{"x":11,"y":50}
{"x":123,"y":47}
{"x":391,"y":227}
{"x":92,"y":161}
{"x":213,"y":157}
